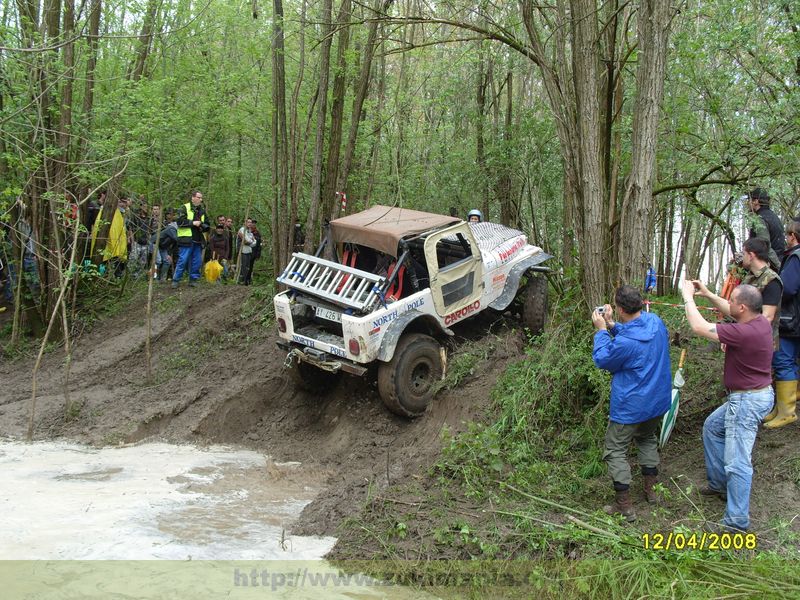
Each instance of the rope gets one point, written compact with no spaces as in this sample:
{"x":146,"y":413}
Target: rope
{"x":649,"y":302}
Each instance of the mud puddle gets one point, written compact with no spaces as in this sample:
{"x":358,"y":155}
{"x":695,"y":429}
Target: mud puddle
{"x":152,"y":501}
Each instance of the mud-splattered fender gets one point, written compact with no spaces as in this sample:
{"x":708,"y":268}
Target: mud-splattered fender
{"x":514,"y":275}
{"x":399,"y":326}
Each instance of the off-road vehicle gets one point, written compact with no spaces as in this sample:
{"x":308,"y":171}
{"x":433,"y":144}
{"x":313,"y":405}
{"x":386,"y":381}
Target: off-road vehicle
{"x":387,"y":284}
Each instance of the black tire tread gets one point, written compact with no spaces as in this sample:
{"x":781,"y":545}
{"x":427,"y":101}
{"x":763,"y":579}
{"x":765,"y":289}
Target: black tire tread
{"x":388,"y":386}
{"x":534,"y":306}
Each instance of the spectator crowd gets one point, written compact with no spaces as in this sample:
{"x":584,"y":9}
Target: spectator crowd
{"x":182,"y":239}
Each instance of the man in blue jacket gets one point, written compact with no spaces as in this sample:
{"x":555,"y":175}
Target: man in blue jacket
{"x":635,"y":350}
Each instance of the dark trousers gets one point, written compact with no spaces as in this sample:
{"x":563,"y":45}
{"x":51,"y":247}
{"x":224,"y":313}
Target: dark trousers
{"x":246,"y":268}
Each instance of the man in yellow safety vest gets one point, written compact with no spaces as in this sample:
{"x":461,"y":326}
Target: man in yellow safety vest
{"x":192,"y":226}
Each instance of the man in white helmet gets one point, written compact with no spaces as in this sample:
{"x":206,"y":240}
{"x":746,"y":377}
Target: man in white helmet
{"x":474,"y":216}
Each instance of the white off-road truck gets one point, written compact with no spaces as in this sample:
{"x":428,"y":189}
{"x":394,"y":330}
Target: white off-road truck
{"x":386,"y":286}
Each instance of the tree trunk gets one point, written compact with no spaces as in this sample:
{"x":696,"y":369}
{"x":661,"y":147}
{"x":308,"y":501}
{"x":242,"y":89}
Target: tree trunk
{"x":91,"y":65}
{"x":280,"y":156}
{"x":508,"y":214}
{"x":329,"y":204}
{"x":313,"y":224}
{"x":480,"y":153}
{"x":145,"y":41}
{"x":380,"y":6}
{"x":637,"y":205}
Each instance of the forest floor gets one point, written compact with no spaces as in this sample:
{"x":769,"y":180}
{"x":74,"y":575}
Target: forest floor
{"x":220,"y":378}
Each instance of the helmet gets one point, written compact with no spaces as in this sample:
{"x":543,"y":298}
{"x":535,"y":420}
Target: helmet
{"x":475,"y":213}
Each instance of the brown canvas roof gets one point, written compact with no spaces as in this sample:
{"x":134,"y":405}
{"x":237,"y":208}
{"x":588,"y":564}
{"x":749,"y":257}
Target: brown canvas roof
{"x":382,"y":227}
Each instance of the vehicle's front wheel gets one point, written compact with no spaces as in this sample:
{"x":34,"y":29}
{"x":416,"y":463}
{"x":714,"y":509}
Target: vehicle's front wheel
{"x":312,"y":379}
{"x":534,"y":303}
{"x":406,"y":383}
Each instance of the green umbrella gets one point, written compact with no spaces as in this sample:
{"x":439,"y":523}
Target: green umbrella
{"x":668,"y":422}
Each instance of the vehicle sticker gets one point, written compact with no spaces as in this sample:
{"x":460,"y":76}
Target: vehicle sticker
{"x":301,"y":339}
{"x":505,"y":255}
{"x":338,"y":351}
{"x":462,"y":313}
{"x":415,"y":304}
{"x":387,"y":318}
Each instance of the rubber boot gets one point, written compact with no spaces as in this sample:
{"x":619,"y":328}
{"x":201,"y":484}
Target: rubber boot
{"x":649,"y":483}
{"x":163,"y":271}
{"x":622,"y":506}
{"x":785,"y":402}
{"x":773,"y":413}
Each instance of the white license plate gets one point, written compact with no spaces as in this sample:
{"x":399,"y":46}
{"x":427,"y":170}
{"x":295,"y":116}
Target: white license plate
{"x":330,"y":315}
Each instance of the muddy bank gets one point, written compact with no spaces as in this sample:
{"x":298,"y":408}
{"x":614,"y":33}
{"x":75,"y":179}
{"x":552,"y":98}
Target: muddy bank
{"x":220,"y":379}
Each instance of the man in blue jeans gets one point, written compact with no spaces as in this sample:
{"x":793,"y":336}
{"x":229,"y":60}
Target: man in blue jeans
{"x":192,"y":226}
{"x":730,"y":431}
{"x":785,"y":359}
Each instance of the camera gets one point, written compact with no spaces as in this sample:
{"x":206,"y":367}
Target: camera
{"x":600,"y":309}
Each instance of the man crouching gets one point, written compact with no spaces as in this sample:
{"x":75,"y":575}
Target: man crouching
{"x":635,"y":351}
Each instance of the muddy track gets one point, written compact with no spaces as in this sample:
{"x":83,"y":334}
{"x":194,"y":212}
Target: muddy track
{"x":220,"y":379}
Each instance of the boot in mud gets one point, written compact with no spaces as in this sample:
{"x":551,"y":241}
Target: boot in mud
{"x":649,"y":493}
{"x":622,"y":506}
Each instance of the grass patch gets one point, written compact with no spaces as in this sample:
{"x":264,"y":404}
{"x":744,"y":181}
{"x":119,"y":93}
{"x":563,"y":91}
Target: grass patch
{"x":259,"y":307}
{"x":527,"y":483}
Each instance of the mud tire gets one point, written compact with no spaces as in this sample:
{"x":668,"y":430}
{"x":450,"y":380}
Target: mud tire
{"x":406,"y":383}
{"x":311,"y":379}
{"x":534,"y":303}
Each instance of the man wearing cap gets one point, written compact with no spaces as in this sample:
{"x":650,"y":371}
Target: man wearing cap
{"x":766,"y":225}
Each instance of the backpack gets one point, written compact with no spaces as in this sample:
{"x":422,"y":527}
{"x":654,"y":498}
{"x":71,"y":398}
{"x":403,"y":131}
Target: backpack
{"x":257,"y":247}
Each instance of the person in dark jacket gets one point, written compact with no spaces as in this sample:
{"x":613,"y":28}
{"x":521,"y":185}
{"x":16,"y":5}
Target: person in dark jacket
{"x":635,"y":351}
{"x":218,"y":242}
{"x":167,"y":245}
{"x":192,"y":226}
{"x":766,"y":225}
{"x":784,"y":361}
{"x":256,"y":251}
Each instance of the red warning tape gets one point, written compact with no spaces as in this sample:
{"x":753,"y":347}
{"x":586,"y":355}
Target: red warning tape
{"x":649,"y":302}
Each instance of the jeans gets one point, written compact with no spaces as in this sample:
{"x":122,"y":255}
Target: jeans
{"x":728,"y":437}
{"x":192,"y":257}
{"x":784,"y":361}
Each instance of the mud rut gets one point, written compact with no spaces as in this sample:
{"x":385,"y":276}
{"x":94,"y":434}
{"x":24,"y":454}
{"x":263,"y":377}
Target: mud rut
{"x":220,"y":379}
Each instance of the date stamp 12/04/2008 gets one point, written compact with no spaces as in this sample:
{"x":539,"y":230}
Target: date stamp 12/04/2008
{"x":700,"y":541}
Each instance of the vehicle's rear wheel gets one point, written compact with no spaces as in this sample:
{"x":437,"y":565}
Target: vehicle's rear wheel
{"x":534,"y":303}
{"x":406,"y":383}
{"x":312,"y":379}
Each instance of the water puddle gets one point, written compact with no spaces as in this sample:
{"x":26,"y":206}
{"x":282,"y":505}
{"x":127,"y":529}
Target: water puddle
{"x":152,"y":501}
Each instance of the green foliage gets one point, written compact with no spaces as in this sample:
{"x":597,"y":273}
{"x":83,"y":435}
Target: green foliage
{"x":259,"y":307}
{"x":550,"y":406}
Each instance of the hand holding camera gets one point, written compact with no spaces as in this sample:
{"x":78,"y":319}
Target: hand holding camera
{"x":602,"y":317}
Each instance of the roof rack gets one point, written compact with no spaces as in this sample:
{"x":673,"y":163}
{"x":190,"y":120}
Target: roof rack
{"x":336,"y":283}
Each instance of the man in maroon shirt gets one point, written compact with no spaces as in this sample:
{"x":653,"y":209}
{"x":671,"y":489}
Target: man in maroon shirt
{"x":730,"y":431}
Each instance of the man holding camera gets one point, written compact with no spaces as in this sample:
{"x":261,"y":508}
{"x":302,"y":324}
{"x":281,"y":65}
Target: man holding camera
{"x":635,"y":350}
{"x":730,"y":431}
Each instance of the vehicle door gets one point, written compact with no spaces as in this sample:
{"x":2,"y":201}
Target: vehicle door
{"x":455,"y":268}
